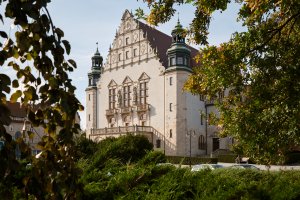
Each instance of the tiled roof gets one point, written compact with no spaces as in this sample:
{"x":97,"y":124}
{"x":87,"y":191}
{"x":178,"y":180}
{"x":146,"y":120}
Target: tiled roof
{"x":162,"y":42}
{"x":16,"y":110}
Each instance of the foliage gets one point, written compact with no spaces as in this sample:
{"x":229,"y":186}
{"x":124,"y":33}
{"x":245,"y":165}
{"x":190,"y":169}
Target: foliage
{"x":38,"y":46}
{"x":145,"y":179}
{"x":259,"y":69}
{"x":194,"y":160}
{"x":126,"y":149}
{"x":117,"y":157}
{"x":85,"y":147}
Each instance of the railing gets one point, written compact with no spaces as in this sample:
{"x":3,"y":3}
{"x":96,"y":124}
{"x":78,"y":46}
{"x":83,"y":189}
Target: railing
{"x":125,"y":110}
{"x":111,"y":111}
{"x":123,"y":129}
{"x":143,"y":107}
{"x":147,"y":131}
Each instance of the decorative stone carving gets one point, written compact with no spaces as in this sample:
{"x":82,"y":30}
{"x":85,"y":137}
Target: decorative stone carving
{"x":135,"y":97}
{"x":135,"y":37}
{"x":119,"y":98}
{"x":128,"y":25}
{"x":143,"y":49}
{"x":120,"y":42}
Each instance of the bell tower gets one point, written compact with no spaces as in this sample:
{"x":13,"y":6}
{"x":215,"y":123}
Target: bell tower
{"x":91,"y":92}
{"x":176,"y":74}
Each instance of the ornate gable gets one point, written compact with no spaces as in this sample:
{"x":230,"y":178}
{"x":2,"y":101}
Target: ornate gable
{"x":127,"y":80}
{"x":126,"y":15}
{"x":144,"y":76}
{"x":112,"y":83}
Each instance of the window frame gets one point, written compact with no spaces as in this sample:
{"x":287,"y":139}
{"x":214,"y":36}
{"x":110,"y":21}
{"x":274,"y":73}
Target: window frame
{"x":201,"y":142}
{"x":127,"y":55}
{"x":112,"y":96}
{"x":126,"y":89}
{"x":143,"y":92}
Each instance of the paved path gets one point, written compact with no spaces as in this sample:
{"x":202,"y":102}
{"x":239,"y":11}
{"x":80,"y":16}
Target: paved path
{"x":272,"y":167}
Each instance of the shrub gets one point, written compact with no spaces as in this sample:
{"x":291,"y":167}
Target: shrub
{"x":194,"y":160}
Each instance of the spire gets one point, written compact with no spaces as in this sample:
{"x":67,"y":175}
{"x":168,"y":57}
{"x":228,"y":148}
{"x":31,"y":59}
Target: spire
{"x":97,"y":51}
{"x":97,"y":59}
{"x":179,"y":54}
{"x":95,"y":73}
{"x":178,"y":33}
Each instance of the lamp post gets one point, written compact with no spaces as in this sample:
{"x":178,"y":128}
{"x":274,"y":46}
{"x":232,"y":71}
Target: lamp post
{"x":189,"y":133}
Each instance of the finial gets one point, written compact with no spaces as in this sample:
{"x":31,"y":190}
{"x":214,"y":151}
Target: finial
{"x":97,"y":51}
{"x":178,"y":21}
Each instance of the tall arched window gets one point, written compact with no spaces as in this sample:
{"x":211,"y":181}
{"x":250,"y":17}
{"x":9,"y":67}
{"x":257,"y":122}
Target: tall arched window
{"x":126,"y":95}
{"x":112,"y":94}
{"x":143,"y":89}
{"x":112,"y":98}
{"x":127,"y":89}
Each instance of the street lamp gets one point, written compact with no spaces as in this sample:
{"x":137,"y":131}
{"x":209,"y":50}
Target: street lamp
{"x":190,"y":133}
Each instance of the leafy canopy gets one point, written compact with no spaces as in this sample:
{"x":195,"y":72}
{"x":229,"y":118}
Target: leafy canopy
{"x":38,"y":46}
{"x":259,"y":67}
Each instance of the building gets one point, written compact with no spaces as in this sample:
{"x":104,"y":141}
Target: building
{"x":20,"y":125}
{"x":139,"y":89}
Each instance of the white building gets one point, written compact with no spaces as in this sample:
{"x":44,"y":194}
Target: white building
{"x":139,"y":89}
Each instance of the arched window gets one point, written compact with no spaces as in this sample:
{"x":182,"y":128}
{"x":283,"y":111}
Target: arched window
{"x":201,"y":142}
{"x":143,"y":89}
{"x":112,"y":94}
{"x":127,"y":89}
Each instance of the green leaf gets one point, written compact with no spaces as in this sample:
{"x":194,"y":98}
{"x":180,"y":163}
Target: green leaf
{"x":59,"y":32}
{"x":28,"y":56}
{"x":73,"y":63}
{"x":67,"y":46}
{"x":81,"y":108}
{"x":16,"y":67}
{"x":3,"y":34}
{"x":5,"y":82}
{"x":1,"y":18}
{"x":15,"y":83}
{"x":30,"y":135}
{"x":15,"y":96}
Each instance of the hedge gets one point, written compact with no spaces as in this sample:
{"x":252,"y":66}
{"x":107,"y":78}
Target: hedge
{"x":194,"y":160}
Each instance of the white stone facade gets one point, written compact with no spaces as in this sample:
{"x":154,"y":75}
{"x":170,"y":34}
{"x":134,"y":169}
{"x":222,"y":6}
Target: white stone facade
{"x":135,"y":93}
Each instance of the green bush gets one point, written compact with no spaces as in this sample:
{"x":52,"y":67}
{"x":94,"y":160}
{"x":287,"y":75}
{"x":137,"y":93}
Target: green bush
{"x":230,"y":158}
{"x":194,"y":160}
{"x":85,"y":148}
{"x":292,"y":158}
{"x":110,"y":175}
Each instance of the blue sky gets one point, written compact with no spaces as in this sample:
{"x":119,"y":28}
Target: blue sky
{"x":87,"y":22}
